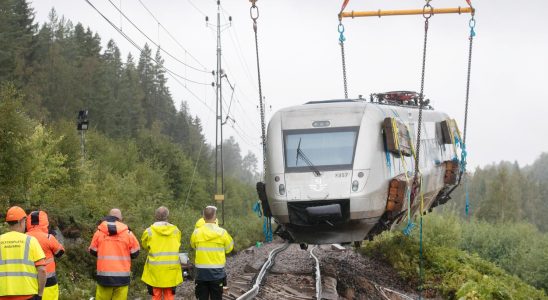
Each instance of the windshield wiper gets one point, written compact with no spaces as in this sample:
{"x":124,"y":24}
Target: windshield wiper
{"x":306,"y":160}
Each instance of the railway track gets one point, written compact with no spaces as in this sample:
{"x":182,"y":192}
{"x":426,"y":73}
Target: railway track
{"x":266,"y":285}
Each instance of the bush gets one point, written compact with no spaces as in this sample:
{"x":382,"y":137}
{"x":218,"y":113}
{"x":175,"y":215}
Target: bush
{"x":450,"y":271}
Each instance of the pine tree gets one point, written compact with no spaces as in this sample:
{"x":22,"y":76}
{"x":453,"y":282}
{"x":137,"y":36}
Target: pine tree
{"x":17,"y":30}
{"x":146,"y":76}
{"x":130,"y":116}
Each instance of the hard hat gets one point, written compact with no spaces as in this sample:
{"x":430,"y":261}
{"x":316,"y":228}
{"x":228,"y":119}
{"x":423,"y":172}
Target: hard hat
{"x":15,"y":213}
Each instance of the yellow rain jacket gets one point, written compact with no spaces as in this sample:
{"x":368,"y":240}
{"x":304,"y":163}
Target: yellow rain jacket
{"x":20,"y":254}
{"x":211,"y":243}
{"x":201,"y":223}
{"x":162,"y":268}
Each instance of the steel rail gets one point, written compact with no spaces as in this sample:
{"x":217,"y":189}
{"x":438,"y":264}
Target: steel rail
{"x":318,"y":274}
{"x":264,"y":269}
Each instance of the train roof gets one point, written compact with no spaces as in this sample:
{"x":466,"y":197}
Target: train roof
{"x":360,"y":102}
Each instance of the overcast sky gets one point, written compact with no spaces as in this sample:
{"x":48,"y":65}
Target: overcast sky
{"x":301,"y":61}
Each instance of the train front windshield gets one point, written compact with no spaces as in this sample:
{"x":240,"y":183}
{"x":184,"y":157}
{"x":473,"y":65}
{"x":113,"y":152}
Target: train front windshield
{"x":321,"y":149}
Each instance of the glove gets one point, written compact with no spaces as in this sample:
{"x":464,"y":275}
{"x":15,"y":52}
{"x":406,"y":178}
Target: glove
{"x":36,"y":297}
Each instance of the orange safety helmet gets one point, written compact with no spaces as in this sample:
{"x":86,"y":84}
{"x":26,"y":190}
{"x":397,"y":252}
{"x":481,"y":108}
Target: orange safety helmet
{"x":15,"y":213}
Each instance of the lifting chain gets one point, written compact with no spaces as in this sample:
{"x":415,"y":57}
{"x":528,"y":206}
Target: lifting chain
{"x":427,"y":13}
{"x":341,"y":42}
{"x":472,"y":25}
{"x":254,"y":14}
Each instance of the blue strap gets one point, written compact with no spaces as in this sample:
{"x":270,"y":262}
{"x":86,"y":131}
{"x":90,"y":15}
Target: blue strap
{"x":267,"y":222}
{"x":467,"y":207}
{"x":267,"y":229}
{"x":410,"y":225}
{"x":257,"y":209}
{"x":407,"y":230}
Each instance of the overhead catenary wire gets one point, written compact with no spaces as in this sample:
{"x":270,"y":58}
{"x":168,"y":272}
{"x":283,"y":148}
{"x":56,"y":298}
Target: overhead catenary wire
{"x":157,"y":44}
{"x":171,"y":35}
{"x":131,"y":41}
{"x":195,"y":7}
{"x":237,"y":45}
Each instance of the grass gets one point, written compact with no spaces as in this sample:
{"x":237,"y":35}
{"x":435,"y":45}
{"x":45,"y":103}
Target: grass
{"x":448,"y":271}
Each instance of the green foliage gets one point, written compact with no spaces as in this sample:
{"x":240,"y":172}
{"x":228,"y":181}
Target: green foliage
{"x":140,"y":152}
{"x":505,"y":192}
{"x":519,"y":248}
{"x":478,"y":273}
{"x":15,"y":154}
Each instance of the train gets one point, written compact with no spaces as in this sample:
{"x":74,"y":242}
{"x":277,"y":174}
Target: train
{"x":342,"y":171}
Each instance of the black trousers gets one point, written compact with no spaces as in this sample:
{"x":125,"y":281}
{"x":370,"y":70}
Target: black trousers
{"x":206,"y":290}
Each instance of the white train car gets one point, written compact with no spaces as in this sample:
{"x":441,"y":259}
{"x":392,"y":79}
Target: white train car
{"x":330,"y":177}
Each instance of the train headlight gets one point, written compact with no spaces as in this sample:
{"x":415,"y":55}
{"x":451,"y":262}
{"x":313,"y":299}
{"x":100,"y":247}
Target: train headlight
{"x":281,"y":189}
{"x":355,"y":185}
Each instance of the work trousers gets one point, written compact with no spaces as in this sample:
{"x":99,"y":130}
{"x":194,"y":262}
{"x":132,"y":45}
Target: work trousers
{"x":158,"y":293}
{"x":206,"y":290}
{"x":111,"y":292}
{"x":51,"y":292}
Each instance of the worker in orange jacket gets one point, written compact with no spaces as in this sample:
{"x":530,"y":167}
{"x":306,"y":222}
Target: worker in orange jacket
{"x":37,"y":226}
{"x":114,"y":245}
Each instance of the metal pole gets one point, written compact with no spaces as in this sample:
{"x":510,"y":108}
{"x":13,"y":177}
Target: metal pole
{"x":217,"y":79}
{"x":82,"y":146}
{"x":220,"y":94}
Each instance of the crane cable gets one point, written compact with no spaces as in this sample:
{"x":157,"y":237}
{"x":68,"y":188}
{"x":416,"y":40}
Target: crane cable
{"x":472,"y":25}
{"x":427,"y":13}
{"x":340,"y":29}
{"x":462,"y":143}
{"x":254,"y":14}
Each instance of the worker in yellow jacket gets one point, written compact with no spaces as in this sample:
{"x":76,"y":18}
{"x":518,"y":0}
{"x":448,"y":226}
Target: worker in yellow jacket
{"x":211,"y":243}
{"x":22,"y":261}
{"x":162,"y":271}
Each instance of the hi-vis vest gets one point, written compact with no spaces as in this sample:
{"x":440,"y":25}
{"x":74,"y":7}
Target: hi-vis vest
{"x":18,"y":254}
{"x":114,"y":246}
{"x":211,"y":243}
{"x":162,"y":268}
{"x":37,"y":226}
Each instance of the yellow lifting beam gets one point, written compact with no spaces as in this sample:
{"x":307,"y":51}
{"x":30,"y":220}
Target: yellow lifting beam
{"x":380,"y":13}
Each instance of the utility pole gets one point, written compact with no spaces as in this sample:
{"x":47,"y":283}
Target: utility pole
{"x":219,"y":165}
{"x":82,"y":126}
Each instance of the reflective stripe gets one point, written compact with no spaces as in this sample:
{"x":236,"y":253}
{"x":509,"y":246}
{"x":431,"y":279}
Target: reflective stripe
{"x":27,"y":248}
{"x":18,"y":274}
{"x":167,"y":262}
{"x":49,"y":260}
{"x":162,"y":254}
{"x":52,"y":274}
{"x":135,"y":250}
{"x":16,"y":261}
{"x":209,"y":266}
{"x":110,"y":257}
{"x":210,"y":249}
{"x":229,"y":245}
{"x":93,"y":248}
{"x":114,"y":274}
{"x":149,"y":232}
